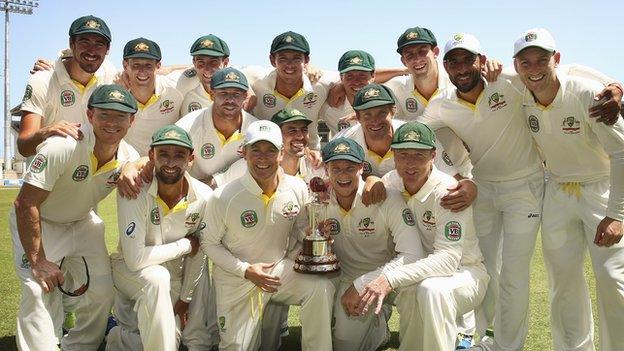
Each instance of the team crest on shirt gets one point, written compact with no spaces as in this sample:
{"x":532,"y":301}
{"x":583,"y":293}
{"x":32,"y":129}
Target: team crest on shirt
{"x":155,"y":216}
{"x":67,"y":98}
{"x":343,"y":125}
{"x":408,"y":217}
{"x":39,"y":163}
{"x":453,"y":231}
{"x":207,"y":151}
{"x":111,"y":181}
{"x":290,"y":210}
{"x":411,"y":105}
{"x":571,"y":125}
{"x":27,"y":93}
{"x":166,"y":106}
{"x":25,"y":263}
{"x":130,"y":229}
{"x":249,"y":218}
{"x":309,"y":100}
{"x":447,"y":159}
{"x":269,"y":100}
{"x":80,"y":173}
{"x":497,"y":101}
{"x":367,"y":169}
{"x":191,"y":220}
{"x":534,"y":124}
{"x":366,"y":226}
{"x":190,"y":73}
{"x":222,"y":324}
{"x":194,"y":106}
{"x":428,"y":220}
{"x":334,"y":226}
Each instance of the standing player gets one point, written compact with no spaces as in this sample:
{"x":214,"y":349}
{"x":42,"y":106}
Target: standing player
{"x":451,"y":280}
{"x":157,"y":262}
{"x":253,"y":225}
{"x":583,"y":203}
{"x":51,"y":224}
{"x":55,"y":101}
{"x":367,"y":240}
{"x":288,"y":85}
{"x":159,"y":101}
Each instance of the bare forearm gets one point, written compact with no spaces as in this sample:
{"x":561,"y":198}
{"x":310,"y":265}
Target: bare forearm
{"x":27,"y":143}
{"x":383,"y":75}
{"x":29,"y":229}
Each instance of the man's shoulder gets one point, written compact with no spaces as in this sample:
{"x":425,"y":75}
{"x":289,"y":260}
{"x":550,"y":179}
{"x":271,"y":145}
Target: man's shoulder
{"x":188,"y":122}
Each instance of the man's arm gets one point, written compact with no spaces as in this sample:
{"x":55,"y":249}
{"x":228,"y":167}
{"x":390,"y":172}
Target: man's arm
{"x":31,"y":134}
{"x":27,"y":206}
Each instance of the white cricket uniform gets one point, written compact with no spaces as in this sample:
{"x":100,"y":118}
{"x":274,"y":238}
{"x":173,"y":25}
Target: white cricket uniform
{"x":509,"y":174}
{"x":308,"y":100}
{"x":152,"y":269}
{"x":239,"y":168}
{"x":450,"y":281}
{"x":195,"y":99}
{"x":162,"y":109}
{"x":368,"y":240}
{"x":213,"y":153}
{"x":244,"y":227}
{"x":332,"y":116}
{"x":410,"y":103}
{"x":56,"y":97}
{"x":585,"y":160}
{"x":69,"y":228}
{"x":379,"y":165}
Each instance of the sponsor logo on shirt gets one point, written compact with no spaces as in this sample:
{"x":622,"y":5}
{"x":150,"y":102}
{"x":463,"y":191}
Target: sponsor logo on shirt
{"x":207,"y":151}
{"x":334,"y":226}
{"x":194,"y":106}
{"x":290,"y":210}
{"x":191,"y":219}
{"x":155,"y":216}
{"x":446,"y":158}
{"x":411,"y":105}
{"x":269,"y":100}
{"x":343,"y":125}
{"x":39,"y":163}
{"x":190,"y":73}
{"x":428,"y":220}
{"x":497,"y":101}
{"x":408,"y":217}
{"x":571,"y":125}
{"x":368,"y":169}
{"x":27,"y":93}
{"x":130,"y":229}
{"x":67,"y":98}
{"x":309,"y":100}
{"x":222,"y":324}
{"x":166,"y":106}
{"x":25,"y":263}
{"x":249,"y":218}
{"x":453,"y":231}
{"x":80,"y":173}
{"x":534,"y":124}
{"x":366,"y":226}
{"x":112,"y":179}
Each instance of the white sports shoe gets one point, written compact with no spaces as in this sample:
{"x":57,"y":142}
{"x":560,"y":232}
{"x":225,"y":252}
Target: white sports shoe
{"x":486,"y":344}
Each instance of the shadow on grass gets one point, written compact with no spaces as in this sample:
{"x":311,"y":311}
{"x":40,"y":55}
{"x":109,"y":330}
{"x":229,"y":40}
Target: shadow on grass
{"x":7,"y":343}
{"x":292,"y":341}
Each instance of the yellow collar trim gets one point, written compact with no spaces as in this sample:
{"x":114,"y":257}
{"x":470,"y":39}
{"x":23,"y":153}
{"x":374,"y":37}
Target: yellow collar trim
{"x":180,"y":206}
{"x":236,"y":136}
{"x":343,"y":212}
{"x":81,"y":87}
{"x":298,"y":94}
{"x":422,"y":99}
{"x":266,"y":198}
{"x":149,"y":102}
{"x":406,"y":195}
{"x":109,"y":166}
{"x":379,"y":159}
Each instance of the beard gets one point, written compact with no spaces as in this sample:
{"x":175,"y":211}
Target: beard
{"x":169,"y":178}
{"x":465,"y":88}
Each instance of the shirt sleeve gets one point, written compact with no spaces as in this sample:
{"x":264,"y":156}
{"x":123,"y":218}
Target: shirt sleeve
{"x":405,"y":236}
{"x":50,"y":162}
{"x":448,"y":242}
{"x":298,"y":231}
{"x":193,"y":271}
{"x":581,"y":71}
{"x":235,"y":171}
{"x":34,"y":99}
{"x":212,"y":236}
{"x":132,"y":218}
{"x":432,"y":115}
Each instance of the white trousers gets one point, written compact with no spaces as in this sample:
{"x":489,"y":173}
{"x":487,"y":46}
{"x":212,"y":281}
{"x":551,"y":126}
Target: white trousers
{"x":40,"y":315}
{"x":569,"y":227}
{"x":240,"y":305}
{"x":361,"y":333}
{"x":507,"y":218}
{"x":429,"y":310}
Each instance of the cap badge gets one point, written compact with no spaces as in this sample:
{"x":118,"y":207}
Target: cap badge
{"x":458,"y":37}
{"x":232,"y":77}
{"x":530,"y":36}
{"x":412,"y":135}
{"x":342,"y":148}
{"x":355,"y":61}
{"x":289,"y":39}
{"x":371,"y":93}
{"x":92,"y":24}
{"x":172,"y":134}
{"x":141,"y":47}
{"x":116,"y":95}
{"x":264,"y":128}
{"x":411,"y":35}
{"x":206,"y":43}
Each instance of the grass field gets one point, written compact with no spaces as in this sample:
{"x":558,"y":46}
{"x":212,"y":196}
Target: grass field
{"x":539,"y":328}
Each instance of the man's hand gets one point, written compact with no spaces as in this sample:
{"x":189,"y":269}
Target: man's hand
{"x":350,"y":119}
{"x":608,"y":232}
{"x":377,"y":290}
{"x":48,"y":274}
{"x":608,"y":104}
{"x":121,"y":78}
{"x":337,"y":95}
{"x":460,"y":196}
{"x":374,"y":191}
{"x":129,"y":182}
{"x":491,"y":70}
{"x":209,"y":180}
{"x":250,"y":102}
{"x":61,"y":128}
{"x":315,"y":157}
{"x":194,"y":239}
{"x":181,"y":309}
{"x":42,"y":65}
{"x":350,"y":300}
{"x":256,"y":274}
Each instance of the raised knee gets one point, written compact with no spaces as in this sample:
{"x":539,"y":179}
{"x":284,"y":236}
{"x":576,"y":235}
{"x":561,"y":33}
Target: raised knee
{"x":428,"y":291}
{"x":156,"y":277}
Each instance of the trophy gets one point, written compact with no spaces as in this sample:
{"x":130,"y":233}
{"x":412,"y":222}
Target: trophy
{"x":316,"y":256}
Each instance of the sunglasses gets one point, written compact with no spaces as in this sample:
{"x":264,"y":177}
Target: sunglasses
{"x":83,"y":288}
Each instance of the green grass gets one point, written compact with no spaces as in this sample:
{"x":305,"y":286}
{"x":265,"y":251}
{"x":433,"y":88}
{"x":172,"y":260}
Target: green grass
{"x":539,"y":328}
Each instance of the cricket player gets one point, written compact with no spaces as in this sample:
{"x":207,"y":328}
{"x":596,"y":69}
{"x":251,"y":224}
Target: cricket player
{"x":367,"y":240}
{"x":436,"y":291}
{"x":156,"y":267}
{"x":51,"y":226}
{"x":218,"y":130}
{"x":295,"y":135}
{"x":55,"y":101}
{"x":159,"y":101}
{"x":584,"y":200}
{"x":253,"y":225}
{"x":288,"y":85}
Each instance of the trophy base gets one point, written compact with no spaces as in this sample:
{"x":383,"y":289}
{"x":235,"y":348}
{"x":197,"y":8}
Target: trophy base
{"x":316,"y":258}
